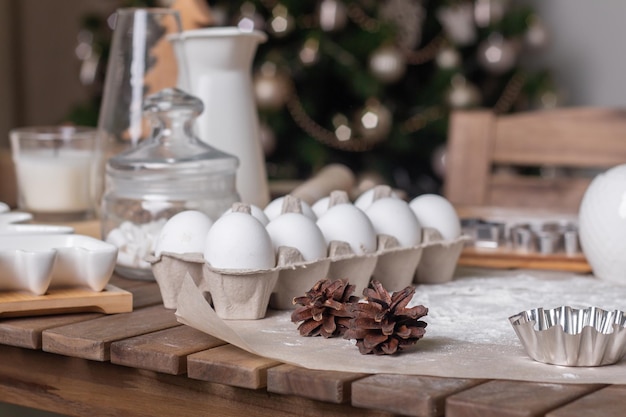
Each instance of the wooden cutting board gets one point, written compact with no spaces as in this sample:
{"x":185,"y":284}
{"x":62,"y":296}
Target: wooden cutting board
{"x":65,"y":300}
{"x":506,"y":258}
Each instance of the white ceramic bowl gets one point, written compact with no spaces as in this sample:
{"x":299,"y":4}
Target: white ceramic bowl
{"x":36,"y":262}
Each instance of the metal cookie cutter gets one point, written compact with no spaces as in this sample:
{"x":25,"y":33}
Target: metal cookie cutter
{"x":546,"y":238}
{"x":484,"y":234}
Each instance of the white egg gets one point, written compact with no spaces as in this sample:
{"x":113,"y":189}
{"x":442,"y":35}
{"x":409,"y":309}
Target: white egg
{"x":321,"y":206}
{"x":275,"y":208}
{"x":348,"y":223}
{"x":298,"y":231}
{"x":393,"y":216}
{"x":239,"y":241}
{"x":435,"y":211}
{"x":256,"y":212}
{"x":364,"y":200}
{"x":184,"y":232}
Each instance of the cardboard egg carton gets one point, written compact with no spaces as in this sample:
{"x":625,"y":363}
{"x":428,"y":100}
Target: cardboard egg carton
{"x":246,"y":294}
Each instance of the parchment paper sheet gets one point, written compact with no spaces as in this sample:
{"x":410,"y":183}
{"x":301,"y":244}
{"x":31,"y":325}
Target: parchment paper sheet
{"x":468,"y":333}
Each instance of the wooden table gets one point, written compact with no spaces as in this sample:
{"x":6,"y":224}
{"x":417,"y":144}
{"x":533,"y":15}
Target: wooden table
{"x":145,"y":363}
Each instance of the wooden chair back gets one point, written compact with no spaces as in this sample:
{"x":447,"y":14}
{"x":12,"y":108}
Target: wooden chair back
{"x":574,"y":144}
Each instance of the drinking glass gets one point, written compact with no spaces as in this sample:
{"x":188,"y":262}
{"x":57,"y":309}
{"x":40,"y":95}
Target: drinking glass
{"x":52,"y":166}
{"x":141,"y":62}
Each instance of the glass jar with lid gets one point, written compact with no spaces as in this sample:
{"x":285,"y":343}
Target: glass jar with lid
{"x":172,"y":171}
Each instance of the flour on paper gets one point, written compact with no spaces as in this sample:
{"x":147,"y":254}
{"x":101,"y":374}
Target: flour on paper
{"x":468,"y":333}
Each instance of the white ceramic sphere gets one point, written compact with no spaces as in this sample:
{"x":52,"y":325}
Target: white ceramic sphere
{"x":239,"y":241}
{"x":347,"y":223}
{"x":602,"y":225}
{"x":437,"y":212}
{"x":393,"y":216}
{"x":298,"y":231}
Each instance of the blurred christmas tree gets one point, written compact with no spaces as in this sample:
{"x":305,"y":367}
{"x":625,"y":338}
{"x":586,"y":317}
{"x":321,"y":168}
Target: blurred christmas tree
{"x":371,"y":83}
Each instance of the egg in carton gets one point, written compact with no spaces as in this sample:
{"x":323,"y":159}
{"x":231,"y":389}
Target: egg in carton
{"x":302,"y":256}
{"x":240,"y":265}
{"x":179,"y":251}
{"x":441,"y":238}
{"x":242,"y":259}
{"x":418,"y":242}
{"x":296,"y":256}
{"x":351,"y":241}
{"x":399,"y":236}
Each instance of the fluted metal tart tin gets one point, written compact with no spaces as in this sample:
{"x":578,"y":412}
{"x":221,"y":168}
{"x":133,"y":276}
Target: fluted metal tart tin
{"x":571,"y":336}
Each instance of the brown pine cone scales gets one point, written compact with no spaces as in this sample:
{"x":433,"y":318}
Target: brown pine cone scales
{"x":383,"y":325}
{"x":323,"y":309}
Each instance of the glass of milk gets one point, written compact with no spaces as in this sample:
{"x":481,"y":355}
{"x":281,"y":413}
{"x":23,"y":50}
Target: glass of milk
{"x":53,"y":166}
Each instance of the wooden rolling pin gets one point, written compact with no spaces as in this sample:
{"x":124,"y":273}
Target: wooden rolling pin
{"x":330,"y":178}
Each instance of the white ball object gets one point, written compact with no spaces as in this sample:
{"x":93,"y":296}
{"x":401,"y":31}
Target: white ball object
{"x":393,"y":217}
{"x":239,"y":241}
{"x":347,"y":223}
{"x":435,"y":211}
{"x":602,"y":225}
{"x":184,"y":232}
{"x":298,"y":231}
{"x":275,"y":209}
{"x":256,"y":212}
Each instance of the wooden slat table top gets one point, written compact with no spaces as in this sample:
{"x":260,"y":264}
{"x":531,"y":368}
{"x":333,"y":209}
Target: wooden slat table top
{"x":163,"y":351}
{"x":230,"y":365}
{"x":92,"y":339}
{"x":514,"y":398}
{"x":26,"y":331}
{"x":331,"y":386}
{"x":127,"y":364}
{"x":409,"y":395}
{"x":606,"y":402}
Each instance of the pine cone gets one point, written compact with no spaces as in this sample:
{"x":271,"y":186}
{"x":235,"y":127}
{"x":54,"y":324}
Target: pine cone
{"x":383,"y":324}
{"x":323,"y":309}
